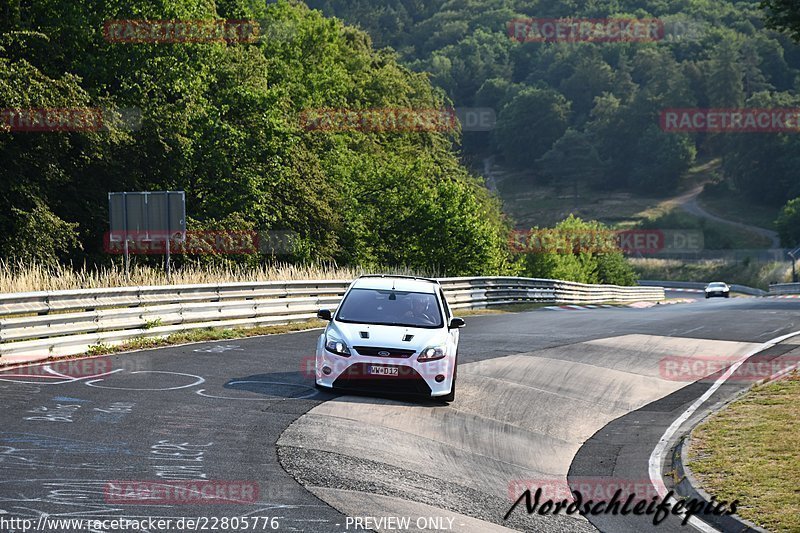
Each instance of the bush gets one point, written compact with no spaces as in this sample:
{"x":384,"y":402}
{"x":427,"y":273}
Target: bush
{"x":40,"y":237}
{"x":788,"y":223}
{"x":566,"y":259}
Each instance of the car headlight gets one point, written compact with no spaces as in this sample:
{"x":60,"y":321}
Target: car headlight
{"x":334,"y":345}
{"x":433,"y":353}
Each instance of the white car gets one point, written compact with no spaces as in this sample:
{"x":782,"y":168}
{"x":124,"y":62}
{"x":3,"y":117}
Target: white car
{"x":718,"y":289}
{"x":390,"y":334}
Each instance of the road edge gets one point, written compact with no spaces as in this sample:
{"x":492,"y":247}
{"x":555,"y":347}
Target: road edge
{"x":669,"y":440}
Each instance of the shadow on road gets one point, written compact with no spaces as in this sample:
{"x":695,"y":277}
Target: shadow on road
{"x":297,"y":386}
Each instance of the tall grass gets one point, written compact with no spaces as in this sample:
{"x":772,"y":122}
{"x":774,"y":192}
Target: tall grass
{"x":31,"y":278}
{"x":750,"y":273}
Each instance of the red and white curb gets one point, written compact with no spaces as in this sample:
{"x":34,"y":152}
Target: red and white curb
{"x":785,"y":296}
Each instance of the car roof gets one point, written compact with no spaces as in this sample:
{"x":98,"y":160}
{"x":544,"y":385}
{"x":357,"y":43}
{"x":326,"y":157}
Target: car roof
{"x":399,"y":283}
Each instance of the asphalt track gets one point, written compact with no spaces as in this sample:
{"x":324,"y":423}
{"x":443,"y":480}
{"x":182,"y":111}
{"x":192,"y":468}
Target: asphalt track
{"x":545,"y":398}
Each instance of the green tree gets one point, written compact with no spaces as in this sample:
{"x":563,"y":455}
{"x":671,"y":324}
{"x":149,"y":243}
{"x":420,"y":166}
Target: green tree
{"x":462,"y":68}
{"x":661,"y":160}
{"x":590,"y":78}
{"x":573,"y":159}
{"x":726,"y":76}
{"x":783,"y":15}
{"x":788,"y":223}
{"x":762,"y":167}
{"x":754,"y":79}
{"x":39,"y":237}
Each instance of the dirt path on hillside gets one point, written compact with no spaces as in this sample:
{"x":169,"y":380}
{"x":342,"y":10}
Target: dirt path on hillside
{"x":689,"y":203}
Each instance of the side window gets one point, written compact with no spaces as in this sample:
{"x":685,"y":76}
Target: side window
{"x":446,"y":307}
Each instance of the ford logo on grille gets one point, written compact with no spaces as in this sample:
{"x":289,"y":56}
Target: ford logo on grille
{"x":384,"y":353}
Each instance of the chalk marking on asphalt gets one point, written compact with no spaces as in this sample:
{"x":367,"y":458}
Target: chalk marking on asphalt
{"x":199,"y":381}
{"x":770,"y":333}
{"x":657,"y":457}
{"x":48,"y":369}
{"x":70,"y":379}
{"x":25,"y":376}
{"x":221,"y":348}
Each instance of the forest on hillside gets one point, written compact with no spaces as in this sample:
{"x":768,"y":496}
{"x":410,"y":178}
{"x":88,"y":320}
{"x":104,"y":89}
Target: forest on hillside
{"x":224,"y":120}
{"x":590,"y":111}
{"x":221,"y":121}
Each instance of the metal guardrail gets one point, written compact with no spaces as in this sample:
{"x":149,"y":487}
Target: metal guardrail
{"x":36,"y":326}
{"x":784,"y":288}
{"x":741,"y":289}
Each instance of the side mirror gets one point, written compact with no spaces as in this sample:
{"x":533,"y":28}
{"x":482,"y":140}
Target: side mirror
{"x":324,"y":314}
{"x":457,"y":323}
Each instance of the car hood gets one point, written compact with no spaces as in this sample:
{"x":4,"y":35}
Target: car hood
{"x":388,"y":336}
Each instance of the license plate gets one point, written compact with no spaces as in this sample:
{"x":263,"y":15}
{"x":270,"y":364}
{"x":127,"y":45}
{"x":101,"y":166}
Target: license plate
{"x":383,"y":371}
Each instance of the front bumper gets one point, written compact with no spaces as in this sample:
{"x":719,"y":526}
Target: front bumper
{"x":413,"y":377}
{"x":718,"y":294}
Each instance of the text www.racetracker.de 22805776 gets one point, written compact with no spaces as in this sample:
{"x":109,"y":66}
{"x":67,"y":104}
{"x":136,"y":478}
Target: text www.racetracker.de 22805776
{"x":52,"y":524}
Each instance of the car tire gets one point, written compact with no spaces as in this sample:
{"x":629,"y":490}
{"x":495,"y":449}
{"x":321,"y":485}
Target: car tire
{"x":707,"y":296}
{"x":727,"y":296}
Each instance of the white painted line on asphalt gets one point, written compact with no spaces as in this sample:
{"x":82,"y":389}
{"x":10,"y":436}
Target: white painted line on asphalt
{"x":199,"y":381}
{"x":657,"y":457}
{"x":49,"y":370}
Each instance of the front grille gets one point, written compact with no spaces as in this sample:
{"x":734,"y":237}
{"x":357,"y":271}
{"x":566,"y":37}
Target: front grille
{"x":371,"y":351}
{"x":357,"y":377}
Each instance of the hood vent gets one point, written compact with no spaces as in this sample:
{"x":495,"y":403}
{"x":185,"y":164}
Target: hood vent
{"x":408,"y":338}
{"x":364,"y":334}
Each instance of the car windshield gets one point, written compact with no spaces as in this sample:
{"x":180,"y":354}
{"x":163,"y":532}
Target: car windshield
{"x":717,"y":285}
{"x":390,"y":308}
